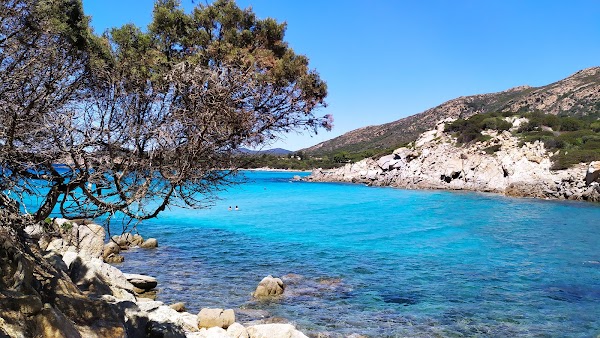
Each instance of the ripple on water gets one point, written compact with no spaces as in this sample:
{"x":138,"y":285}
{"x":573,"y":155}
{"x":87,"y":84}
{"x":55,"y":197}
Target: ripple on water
{"x":384,"y":262}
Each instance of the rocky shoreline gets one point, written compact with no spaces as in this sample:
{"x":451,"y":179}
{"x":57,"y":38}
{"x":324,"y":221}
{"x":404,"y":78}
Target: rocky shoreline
{"x":56,"y":282}
{"x":503,"y":165}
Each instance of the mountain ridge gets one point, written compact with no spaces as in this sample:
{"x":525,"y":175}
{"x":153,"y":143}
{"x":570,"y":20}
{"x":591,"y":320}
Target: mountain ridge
{"x":576,"y":95}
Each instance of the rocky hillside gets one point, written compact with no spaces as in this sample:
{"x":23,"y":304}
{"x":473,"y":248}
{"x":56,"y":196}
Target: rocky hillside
{"x":577,"y":95}
{"x":502,"y":163}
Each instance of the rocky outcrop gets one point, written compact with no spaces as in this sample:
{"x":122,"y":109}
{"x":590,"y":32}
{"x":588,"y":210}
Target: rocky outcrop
{"x":127,"y":240}
{"x":143,"y":286}
{"x":39,"y":300}
{"x":87,"y":239}
{"x":71,"y":292}
{"x":269,"y":287}
{"x":437,"y":162}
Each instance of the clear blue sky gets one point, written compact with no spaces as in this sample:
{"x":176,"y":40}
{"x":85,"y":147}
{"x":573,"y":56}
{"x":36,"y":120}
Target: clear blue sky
{"x":384,"y":60}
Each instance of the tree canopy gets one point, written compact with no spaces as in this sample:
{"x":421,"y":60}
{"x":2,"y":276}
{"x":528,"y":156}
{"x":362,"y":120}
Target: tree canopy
{"x":132,"y":121}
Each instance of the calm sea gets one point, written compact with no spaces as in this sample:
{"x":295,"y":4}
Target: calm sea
{"x":384,"y":262}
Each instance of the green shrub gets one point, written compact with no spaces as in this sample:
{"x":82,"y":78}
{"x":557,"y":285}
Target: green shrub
{"x":575,"y":137}
{"x":495,"y":123}
{"x":570,"y":124}
{"x":492,"y":149}
{"x":591,"y":144}
{"x":66,"y":226}
{"x":567,"y":158}
{"x":532,"y":125}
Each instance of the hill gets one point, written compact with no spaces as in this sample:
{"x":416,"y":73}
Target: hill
{"x":577,"y":95}
{"x":274,"y":151}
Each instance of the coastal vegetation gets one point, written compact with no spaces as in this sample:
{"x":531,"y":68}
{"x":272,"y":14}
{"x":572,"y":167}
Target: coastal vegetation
{"x":303,"y":161}
{"x":575,"y":96}
{"x":572,"y":139}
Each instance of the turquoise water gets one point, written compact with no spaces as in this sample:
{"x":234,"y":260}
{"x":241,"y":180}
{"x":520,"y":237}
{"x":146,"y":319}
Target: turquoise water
{"x":385,"y":262}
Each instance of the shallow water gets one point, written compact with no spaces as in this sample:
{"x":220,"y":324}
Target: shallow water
{"x":385,"y":262}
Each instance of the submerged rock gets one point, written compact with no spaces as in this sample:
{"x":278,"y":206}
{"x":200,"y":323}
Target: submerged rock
{"x":269,"y":287}
{"x":149,"y":243}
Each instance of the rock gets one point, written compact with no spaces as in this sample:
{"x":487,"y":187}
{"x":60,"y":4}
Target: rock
{"x":69,"y":257}
{"x":122,"y":240}
{"x":137,"y":240}
{"x":35,"y":231}
{"x":96,"y":277}
{"x":114,"y":259}
{"x":269,"y":287}
{"x":215,"y":317}
{"x":127,"y":240}
{"x":187,"y":321}
{"x":274,"y":331}
{"x":213,"y":332}
{"x":150,"y":305}
{"x":148,"y":294}
{"x":593,"y":173}
{"x":149,"y":243}
{"x":141,"y":281}
{"x":110,"y":248}
{"x":55,"y":245}
{"x":90,"y":240}
{"x":86,"y":239}
{"x":179,"y":307}
{"x":237,"y":330}
{"x":57,"y":261}
{"x":384,"y":162}
{"x":164,"y":330}
{"x":160,"y":313}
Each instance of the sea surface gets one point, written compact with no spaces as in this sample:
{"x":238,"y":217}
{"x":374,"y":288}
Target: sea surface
{"x":384,"y":262}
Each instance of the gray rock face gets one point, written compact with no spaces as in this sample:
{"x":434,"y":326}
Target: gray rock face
{"x":208,"y":318}
{"x":437,"y":162}
{"x":269,"y":287}
{"x":85,"y":239}
{"x":593,"y":173}
{"x":96,"y":277}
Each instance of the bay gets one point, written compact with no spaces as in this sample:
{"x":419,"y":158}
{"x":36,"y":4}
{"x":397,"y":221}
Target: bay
{"x":384,"y":262}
